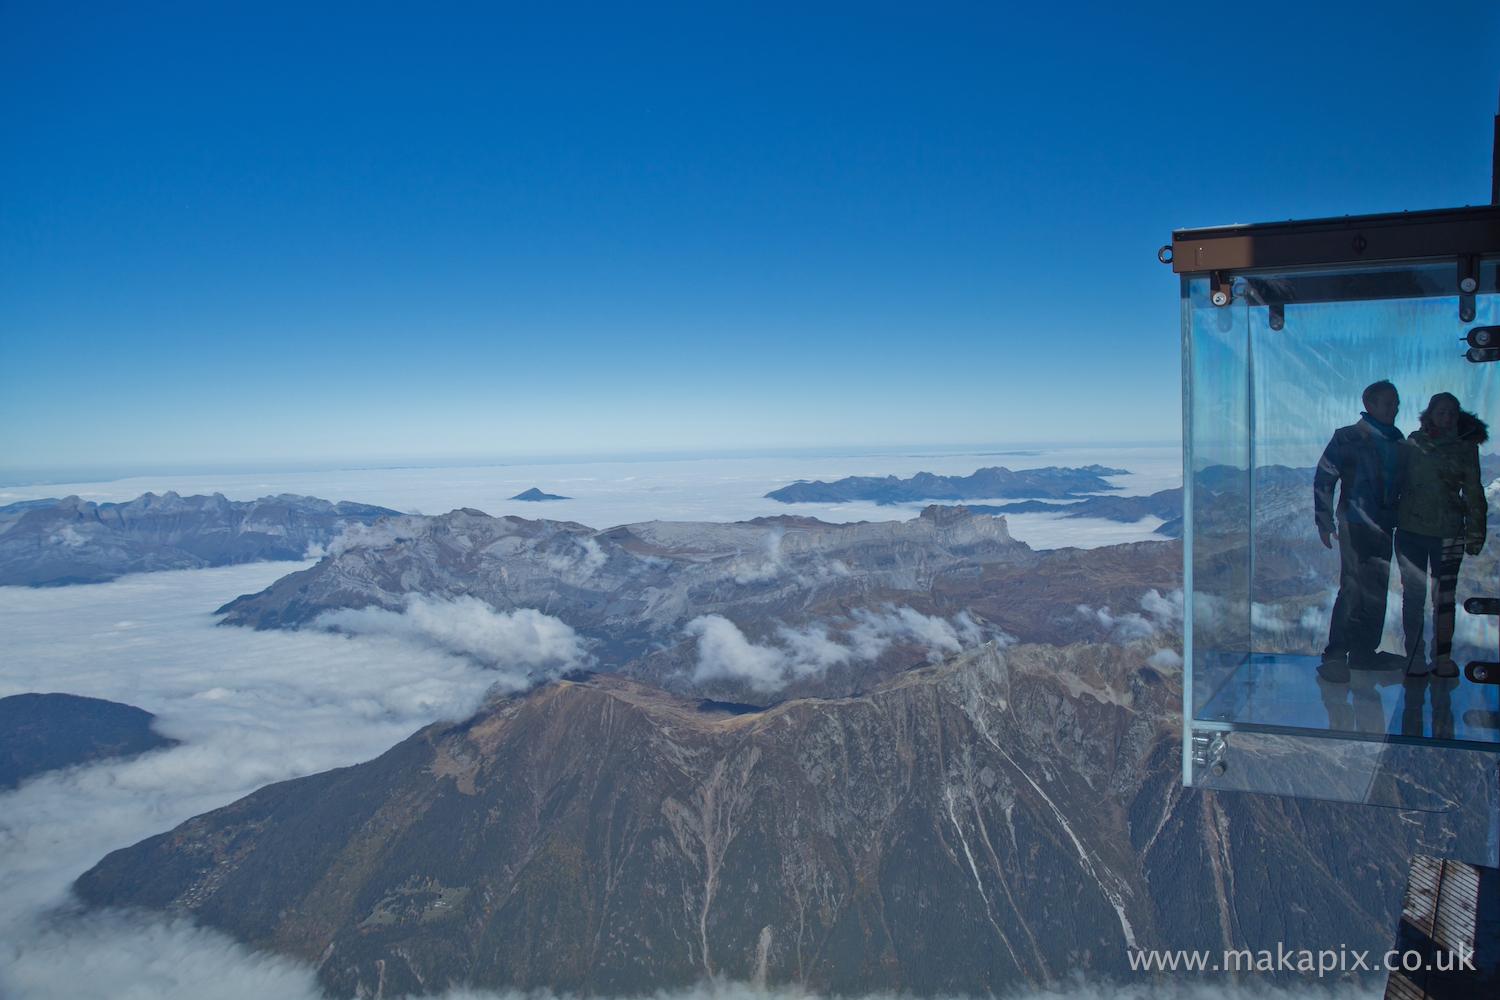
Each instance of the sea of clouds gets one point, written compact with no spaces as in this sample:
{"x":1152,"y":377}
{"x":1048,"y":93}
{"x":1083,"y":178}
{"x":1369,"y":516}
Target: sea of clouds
{"x":250,"y":708}
{"x":255,"y":707}
{"x":624,"y":491}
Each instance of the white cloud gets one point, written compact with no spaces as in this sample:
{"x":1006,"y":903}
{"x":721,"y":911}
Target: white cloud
{"x":1267,"y":617}
{"x":1122,"y":628}
{"x":579,"y":561}
{"x":143,"y":955}
{"x":1165,"y":614}
{"x":1209,"y":610}
{"x":810,"y":651}
{"x":748,"y":569}
{"x":1165,"y":659}
{"x":381,"y":535}
{"x":524,"y":646}
{"x":725,"y":653}
{"x":249,"y":707}
{"x":874,"y":631}
{"x":1056,"y":530}
{"x":1167,"y":610}
{"x":1315,"y":618}
{"x":68,"y":536}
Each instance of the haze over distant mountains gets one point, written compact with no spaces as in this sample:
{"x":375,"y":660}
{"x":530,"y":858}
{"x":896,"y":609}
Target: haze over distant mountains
{"x":1166,"y":504}
{"x":53,"y":542}
{"x":996,"y":481}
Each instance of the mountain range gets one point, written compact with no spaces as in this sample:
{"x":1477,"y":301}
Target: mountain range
{"x":1006,"y":817}
{"x":996,"y":481}
{"x":974,"y":783}
{"x":45,"y":543}
{"x":632,"y":590}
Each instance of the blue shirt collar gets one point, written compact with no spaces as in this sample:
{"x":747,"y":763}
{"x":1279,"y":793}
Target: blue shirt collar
{"x":1388,"y":431}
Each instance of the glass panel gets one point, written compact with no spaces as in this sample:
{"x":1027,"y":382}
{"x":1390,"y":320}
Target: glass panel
{"x":1219,"y":455}
{"x":1269,"y":378}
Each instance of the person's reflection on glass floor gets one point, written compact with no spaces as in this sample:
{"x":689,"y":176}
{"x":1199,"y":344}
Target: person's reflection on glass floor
{"x":1442,"y":515}
{"x":1355,"y":705}
{"x":1366,"y":461}
{"x":1413,"y":697}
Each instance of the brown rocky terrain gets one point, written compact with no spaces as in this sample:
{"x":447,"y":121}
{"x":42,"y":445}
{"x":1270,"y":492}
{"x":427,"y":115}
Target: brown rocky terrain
{"x":1001,"y":818}
{"x":631,"y":590}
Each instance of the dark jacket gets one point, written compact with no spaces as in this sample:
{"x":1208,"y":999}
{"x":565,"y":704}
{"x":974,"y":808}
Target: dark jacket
{"x":1369,"y":462}
{"x":1443,"y":495}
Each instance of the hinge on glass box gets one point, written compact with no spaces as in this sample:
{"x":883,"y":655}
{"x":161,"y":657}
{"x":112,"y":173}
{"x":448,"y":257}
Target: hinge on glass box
{"x":1208,"y":751}
{"x":1468,"y":284}
{"x":1218,"y":289}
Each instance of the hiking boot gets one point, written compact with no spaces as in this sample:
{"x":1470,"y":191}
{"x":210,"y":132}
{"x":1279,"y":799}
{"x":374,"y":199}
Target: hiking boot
{"x":1445,"y":667}
{"x":1334,"y":669}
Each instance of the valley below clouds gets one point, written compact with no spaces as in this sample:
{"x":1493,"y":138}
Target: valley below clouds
{"x":250,"y":707}
{"x":404,"y":624}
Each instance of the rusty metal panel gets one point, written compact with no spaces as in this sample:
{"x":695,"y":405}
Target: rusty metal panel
{"x":1451,"y":909}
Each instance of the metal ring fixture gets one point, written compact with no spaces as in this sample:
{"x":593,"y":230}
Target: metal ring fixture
{"x":1165,"y":254}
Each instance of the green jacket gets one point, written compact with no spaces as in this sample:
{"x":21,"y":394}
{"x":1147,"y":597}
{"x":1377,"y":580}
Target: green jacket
{"x":1442,"y":495}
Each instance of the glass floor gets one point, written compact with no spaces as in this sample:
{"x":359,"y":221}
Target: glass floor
{"x":1280,"y":691}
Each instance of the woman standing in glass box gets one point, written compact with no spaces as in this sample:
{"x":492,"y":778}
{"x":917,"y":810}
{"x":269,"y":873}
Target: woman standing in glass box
{"x":1441,"y":516}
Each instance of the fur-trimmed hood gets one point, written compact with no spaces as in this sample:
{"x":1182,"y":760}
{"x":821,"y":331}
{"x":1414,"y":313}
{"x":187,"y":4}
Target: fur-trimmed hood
{"x":1471,"y":428}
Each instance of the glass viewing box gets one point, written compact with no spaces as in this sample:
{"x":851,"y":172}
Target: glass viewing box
{"x":1283,"y":328}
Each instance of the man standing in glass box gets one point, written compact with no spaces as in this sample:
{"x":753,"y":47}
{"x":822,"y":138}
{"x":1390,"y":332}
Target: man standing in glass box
{"x":1367,"y":461}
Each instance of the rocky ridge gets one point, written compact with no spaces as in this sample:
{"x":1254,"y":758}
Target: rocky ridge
{"x":999,"y":819}
{"x":996,"y":481}
{"x":631,"y":590}
{"x":55,"y":542}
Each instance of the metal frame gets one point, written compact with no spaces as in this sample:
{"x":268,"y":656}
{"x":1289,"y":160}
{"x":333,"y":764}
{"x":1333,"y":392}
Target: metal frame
{"x":1350,"y":239}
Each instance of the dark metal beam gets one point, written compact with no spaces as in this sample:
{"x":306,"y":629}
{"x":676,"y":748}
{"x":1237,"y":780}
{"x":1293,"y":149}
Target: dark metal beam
{"x":1351,"y":239}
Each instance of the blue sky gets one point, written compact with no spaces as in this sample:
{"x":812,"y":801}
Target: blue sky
{"x":269,"y":234}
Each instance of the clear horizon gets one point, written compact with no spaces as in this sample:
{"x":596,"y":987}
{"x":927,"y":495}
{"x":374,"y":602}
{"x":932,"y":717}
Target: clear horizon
{"x":105,"y":473}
